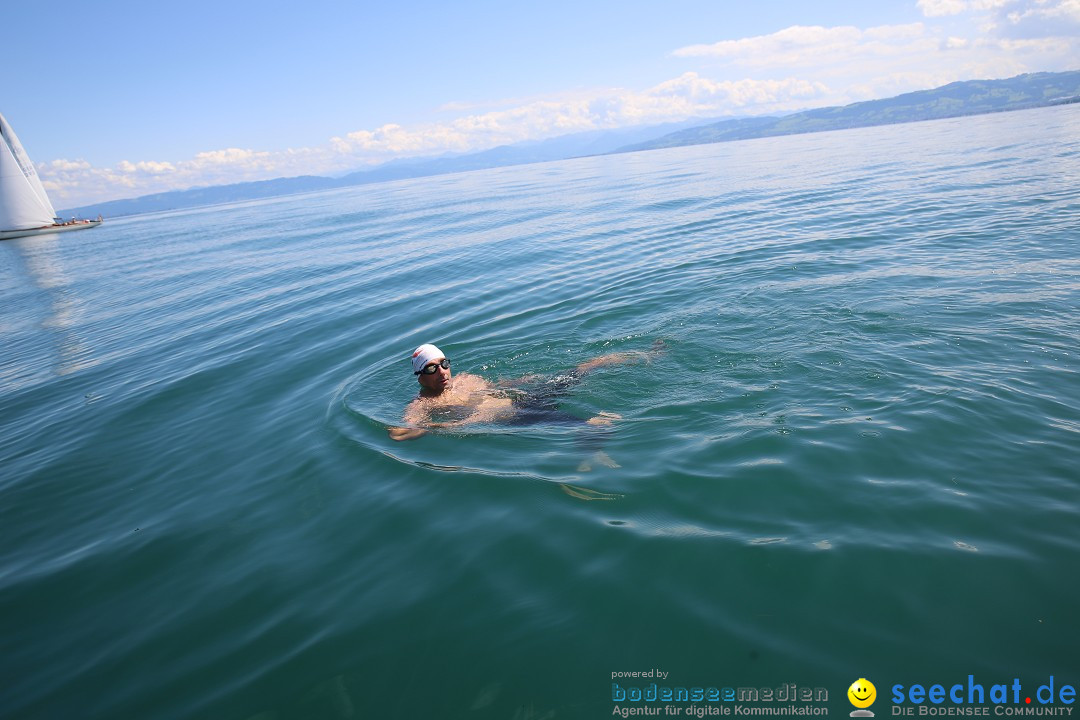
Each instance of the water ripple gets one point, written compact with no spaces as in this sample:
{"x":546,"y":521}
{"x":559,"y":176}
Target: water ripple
{"x":865,"y":423}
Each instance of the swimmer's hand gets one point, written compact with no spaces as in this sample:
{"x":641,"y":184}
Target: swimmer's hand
{"x":400,"y":433}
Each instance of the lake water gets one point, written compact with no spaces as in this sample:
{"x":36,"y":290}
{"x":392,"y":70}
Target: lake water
{"x":858,"y":456}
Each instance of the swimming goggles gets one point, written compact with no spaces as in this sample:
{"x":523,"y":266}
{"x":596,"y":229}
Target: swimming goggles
{"x":433,"y":368}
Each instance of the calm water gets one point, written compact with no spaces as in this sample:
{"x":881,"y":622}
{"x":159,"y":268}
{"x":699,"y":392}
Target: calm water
{"x":859,"y":456}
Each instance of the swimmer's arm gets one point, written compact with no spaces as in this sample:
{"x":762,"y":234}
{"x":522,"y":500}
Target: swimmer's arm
{"x":403,"y":433}
{"x":411,"y":433}
{"x":416,"y":415}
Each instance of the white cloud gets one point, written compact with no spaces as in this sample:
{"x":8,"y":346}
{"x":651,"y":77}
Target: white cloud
{"x":791,"y":69}
{"x":939,"y":8}
{"x":152,"y":168}
{"x":76,"y":182}
{"x":1039,"y":19}
{"x":812,"y":47}
{"x":881,"y":61}
{"x":1014,"y":18}
{"x":67,"y":165}
{"x":795,"y":37}
{"x":688,"y":95}
{"x":720,"y":95}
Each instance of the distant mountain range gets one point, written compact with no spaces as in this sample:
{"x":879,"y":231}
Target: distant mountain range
{"x":972,"y":97}
{"x":596,"y":142}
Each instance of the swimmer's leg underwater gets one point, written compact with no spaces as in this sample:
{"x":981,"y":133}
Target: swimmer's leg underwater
{"x":539,"y":406}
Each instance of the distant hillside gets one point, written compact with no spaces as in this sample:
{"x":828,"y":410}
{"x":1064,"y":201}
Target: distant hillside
{"x":962,"y":98}
{"x":597,"y":142}
{"x":197,"y":197}
{"x":972,"y":97}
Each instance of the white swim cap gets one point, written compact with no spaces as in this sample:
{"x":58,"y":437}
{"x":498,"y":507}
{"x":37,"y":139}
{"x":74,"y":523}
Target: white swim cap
{"x":424,"y":355}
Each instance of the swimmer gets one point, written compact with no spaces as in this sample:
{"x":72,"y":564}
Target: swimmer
{"x":465,"y":399}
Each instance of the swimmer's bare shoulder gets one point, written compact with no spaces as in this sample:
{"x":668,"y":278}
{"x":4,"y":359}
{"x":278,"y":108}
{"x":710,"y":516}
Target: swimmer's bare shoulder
{"x":466,"y":384}
{"x":469,"y":390}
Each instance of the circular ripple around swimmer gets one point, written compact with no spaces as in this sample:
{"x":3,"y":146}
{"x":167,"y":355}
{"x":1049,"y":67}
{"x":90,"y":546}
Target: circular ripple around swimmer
{"x":371,"y":401}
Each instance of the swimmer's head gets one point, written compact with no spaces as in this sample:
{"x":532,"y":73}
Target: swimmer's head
{"x":425,"y":355}
{"x":431,"y":367}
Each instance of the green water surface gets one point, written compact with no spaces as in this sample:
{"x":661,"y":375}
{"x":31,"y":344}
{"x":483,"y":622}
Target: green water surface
{"x":856,"y":458}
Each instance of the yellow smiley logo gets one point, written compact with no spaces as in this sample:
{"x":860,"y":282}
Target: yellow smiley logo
{"x":862,"y":693}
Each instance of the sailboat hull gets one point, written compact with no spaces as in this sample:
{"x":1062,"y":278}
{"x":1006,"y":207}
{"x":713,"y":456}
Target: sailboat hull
{"x":81,"y":225}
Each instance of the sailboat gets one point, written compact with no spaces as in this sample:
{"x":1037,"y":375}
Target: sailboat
{"x":24,"y":207}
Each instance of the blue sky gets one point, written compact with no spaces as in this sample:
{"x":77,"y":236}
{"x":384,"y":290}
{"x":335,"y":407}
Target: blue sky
{"x":119,"y":99}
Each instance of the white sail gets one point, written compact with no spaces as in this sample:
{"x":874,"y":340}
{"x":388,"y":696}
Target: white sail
{"x":23,"y":202}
